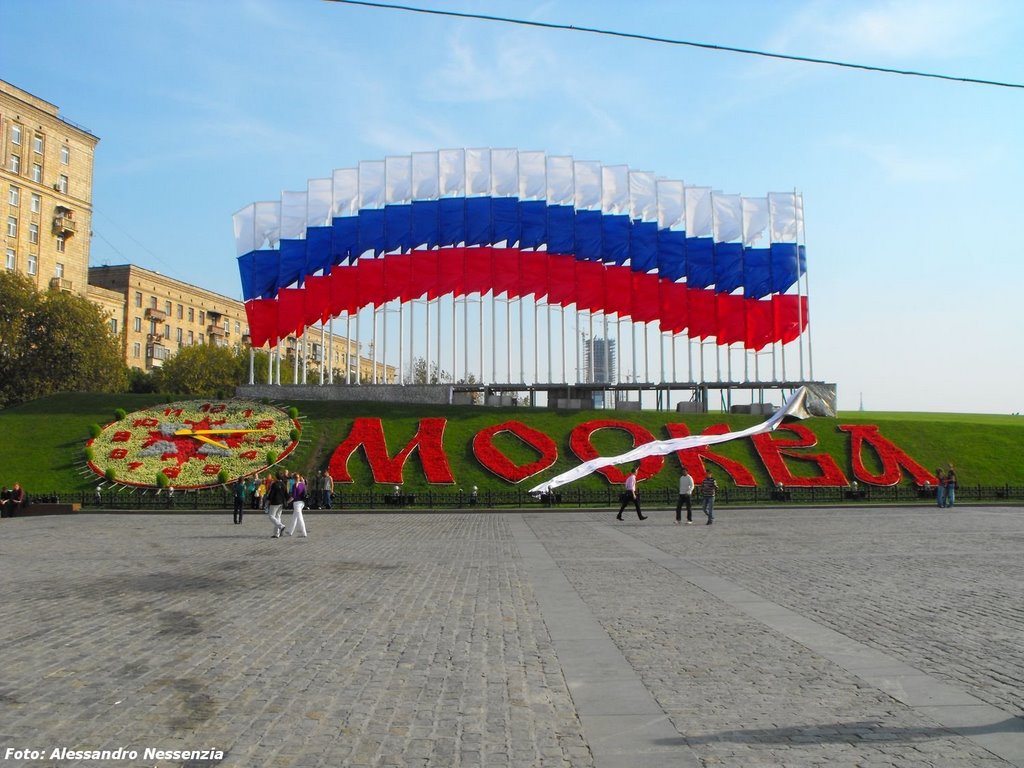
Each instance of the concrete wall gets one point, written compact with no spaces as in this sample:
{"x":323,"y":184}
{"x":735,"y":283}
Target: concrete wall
{"x":419,"y":394}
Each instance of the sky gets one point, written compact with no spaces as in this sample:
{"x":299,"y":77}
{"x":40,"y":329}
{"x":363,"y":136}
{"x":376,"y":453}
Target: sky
{"x":911,"y":186}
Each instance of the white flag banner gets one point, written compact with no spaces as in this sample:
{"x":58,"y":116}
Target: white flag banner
{"x":398,"y":179}
{"x":588,"y":185}
{"x":561,"y":189}
{"x":755,"y":219}
{"x":371,"y":184}
{"x":478,"y":171}
{"x":245,"y":230}
{"x":426,"y":178}
{"x":452,"y":164}
{"x":643,"y":196}
{"x":699,"y":219}
{"x":293,"y":215}
{"x":345,"y":192}
{"x":728,"y":217}
{"x":268,"y":224}
{"x":795,"y":406}
{"x":782,"y":206}
{"x":318,"y":202}
{"x":504,"y":172}
{"x":615,"y":189}
{"x":533,"y":183}
{"x":671,"y":205}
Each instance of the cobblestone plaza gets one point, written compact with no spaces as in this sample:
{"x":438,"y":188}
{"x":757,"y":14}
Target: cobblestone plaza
{"x":796,"y":637}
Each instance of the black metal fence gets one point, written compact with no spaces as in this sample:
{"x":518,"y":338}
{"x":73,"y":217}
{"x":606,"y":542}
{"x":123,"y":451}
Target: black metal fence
{"x":566,"y":498}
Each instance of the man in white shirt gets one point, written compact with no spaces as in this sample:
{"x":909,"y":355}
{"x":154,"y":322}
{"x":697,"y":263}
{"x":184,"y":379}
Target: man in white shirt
{"x":685,"y":489}
{"x":630,"y":495}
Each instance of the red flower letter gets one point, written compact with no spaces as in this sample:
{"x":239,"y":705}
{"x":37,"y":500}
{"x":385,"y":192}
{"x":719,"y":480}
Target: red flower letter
{"x":368,"y":433}
{"x":493,"y":459}
{"x":892,"y":457}
{"x":579,"y":441}
{"x":693,"y":458}
{"x":772,"y":452}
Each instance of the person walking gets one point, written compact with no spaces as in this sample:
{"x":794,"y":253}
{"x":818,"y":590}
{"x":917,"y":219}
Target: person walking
{"x":631,"y":495}
{"x":707,"y":493}
{"x":685,"y":491}
{"x":238,"y":495}
{"x":940,"y":488}
{"x":298,"y":502}
{"x":277,"y":495}
{"x":951,"y":485}
{"x":314,"y":490}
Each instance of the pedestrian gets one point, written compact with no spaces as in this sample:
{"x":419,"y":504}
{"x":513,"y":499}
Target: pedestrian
{"x":685,"y":490}
{"x":238,"y":495}
{"x":631,"y":495}
{"x":951,"y":486}
{"x":314,"y":490}
{"x":298,"y":502}
{"x":707,"y":493}
{"x":940,"y":488}
{"x":276,"y":496}
{"x":327,"y":490}
{"x":251,"y":484}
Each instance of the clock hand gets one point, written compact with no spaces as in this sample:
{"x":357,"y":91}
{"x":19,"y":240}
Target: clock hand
{"x":222,"y":431}
{"x":211,"y":441}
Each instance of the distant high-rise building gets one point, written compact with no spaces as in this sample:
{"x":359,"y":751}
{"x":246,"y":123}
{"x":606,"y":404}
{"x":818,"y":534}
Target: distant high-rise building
{"x":598,"y":361}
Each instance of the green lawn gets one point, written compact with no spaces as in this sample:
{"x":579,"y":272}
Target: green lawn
{"x":42,"y":443}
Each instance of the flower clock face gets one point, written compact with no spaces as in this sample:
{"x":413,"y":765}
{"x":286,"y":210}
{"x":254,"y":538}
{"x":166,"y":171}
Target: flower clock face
{"x":194,"y":444}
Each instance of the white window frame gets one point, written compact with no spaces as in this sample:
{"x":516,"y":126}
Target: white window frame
{"x":16,"y":135}
{"x":33,"y":233}
{"x":14,"y":196}
{"x":37,"y":173}
{"x":37,"y":203}
{"x":12,"y":226}
{"x":38,"y":144}
{"x":61,"y":242}
{"x":11,"y":259}
{"x":33,"y":264}
{"x":15,"y":164}
{"x":58,"y":270}
{"x":137,"y":325}
{"x":62,"y":184}
{"x":65,"y":154}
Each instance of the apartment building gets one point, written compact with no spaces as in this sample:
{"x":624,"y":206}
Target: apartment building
{"x":46,"y":168}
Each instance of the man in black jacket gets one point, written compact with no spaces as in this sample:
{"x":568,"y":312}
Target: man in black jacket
{"x":277,"y":495}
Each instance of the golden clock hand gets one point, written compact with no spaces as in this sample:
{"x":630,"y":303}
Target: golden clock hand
{"x":222,"y":431}
{"x":210,"y":440}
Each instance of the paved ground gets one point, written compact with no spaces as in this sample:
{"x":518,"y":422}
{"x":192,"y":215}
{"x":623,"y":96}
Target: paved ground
{"x":805,"y":637}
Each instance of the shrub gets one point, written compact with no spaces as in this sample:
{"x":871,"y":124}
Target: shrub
{"x":294,"y":434}
{"x":120,"y":413}
{"x":222,"y":476}
{"x":162,"y":481}
{"x":110,"y":474}
{"x":90,"y":453}
{"x":94,"y":430}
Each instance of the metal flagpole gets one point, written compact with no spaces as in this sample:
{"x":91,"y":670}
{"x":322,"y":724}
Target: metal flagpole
{"x":373,"y":344}
{"x":252,"y":366}
{"x":401,"y":339}
{"x":330,"y":353}
{"x":426,"y":309}
{"x":455,"y":341}
{"x":348,"y":348}
{"x":305,"y":358}
{"x":801,"y":234}
{"x":508,"y":337}
{"x":384,"y":345}
{"x":522,"y":347}
{"x":323,"y":351}
{"x":295,"y":367}
{"x":278,"y":362}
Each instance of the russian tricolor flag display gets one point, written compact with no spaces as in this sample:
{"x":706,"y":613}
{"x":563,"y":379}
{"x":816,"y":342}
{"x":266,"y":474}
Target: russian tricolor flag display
{"x":605,"y":239}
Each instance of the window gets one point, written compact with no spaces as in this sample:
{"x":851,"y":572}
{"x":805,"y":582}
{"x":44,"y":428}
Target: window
{"x":14,"y":197}
{"x":191,"y":315}
{"x":113,"y":326}
{"x":138,"y":298}
{"x":15,"y":164}
{"x":58,"y":271}
{"x":202,"y":339}
{"x":37,"y":172}
{"x":33,"y":233}
{"x":65,"y":155}
{"x":181,"y":311}
{"x":37,"y":144}
{"x":178,"y":336}
{"x":191,"y":338}
{"x":61,"y":240}
{"x":167,"y":308}
{"x":238,"y":327}
{"x":136,"y":349}
{"x":15,"y":134}
{"x":167,"y":331}
{"x":37,"y":203}
{"x":31,"y":264}
{"x":202,"y":318}
{"x":62,"y":185}
{"x":12,"y":226}
{"x":227,"y":325}
{"x":12,"y":260}
{"x":138,"y":325}
{"x":152,"y":302}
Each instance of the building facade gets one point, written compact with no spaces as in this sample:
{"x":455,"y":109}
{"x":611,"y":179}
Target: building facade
{"x":46,"y":178}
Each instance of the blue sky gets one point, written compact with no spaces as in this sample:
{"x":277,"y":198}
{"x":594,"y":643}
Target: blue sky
{"x":912,"y":187}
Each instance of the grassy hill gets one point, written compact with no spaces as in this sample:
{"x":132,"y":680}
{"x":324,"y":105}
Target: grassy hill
{"x":41,"y":443}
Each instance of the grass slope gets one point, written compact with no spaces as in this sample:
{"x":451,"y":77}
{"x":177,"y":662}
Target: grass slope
{"x":41,"y":443}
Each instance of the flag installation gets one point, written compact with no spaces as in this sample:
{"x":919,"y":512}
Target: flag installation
{"x":606,"y":239}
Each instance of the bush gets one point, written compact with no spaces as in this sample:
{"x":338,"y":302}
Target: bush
{"x":162,"y":481}
{"x":222,"y":476}
{"x":271,"y":457}
{"x":293,"y":412}
{"x":294,"y":434}
{"x":94,"y":430}
{"x":110,"y":474}
{"x":120,"y":413}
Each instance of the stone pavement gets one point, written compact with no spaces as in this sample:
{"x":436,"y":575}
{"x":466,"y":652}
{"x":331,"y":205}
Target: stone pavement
{"x":781,"y":637}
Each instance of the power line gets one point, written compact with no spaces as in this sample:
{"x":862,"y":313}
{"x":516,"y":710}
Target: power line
{"x":671,"y":41}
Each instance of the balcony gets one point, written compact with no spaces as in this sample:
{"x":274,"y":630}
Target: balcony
{"x":156,"y":354}
{"x":64,"y":225}
{"x":216,"y":330}
{"x":156,"y":314}
{"x":154,"y":338}
{"x":61,"y":284}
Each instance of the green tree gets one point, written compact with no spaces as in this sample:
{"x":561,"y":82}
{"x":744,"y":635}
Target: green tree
{"x":204,"y":370}
{"x":54,"y":342}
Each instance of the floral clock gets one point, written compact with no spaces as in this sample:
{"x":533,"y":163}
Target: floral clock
{"x":193,"y":443}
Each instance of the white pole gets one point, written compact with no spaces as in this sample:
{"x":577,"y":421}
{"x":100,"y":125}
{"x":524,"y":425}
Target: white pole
{"x":401,"y":340}
{"x":330,"y":353}
{"x":384,"y":345}
{"x":426,"y":309}
{"x":323,"y":352}
{"x":252,"y":366}
{"x":801,"y":236}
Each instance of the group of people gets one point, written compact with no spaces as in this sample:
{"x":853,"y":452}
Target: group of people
{"x":274,"y":492}
{"x":686,"y":487}
{"x":11,"y":500}
{"x":945,"y":490}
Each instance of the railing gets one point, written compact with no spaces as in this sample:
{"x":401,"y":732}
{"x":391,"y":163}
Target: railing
{"x":566,"y":498}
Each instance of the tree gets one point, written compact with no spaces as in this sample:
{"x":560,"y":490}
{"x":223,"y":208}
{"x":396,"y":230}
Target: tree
{"x":54,"y":342}
{"x":204,"y":370}
{"x":423,"y":374}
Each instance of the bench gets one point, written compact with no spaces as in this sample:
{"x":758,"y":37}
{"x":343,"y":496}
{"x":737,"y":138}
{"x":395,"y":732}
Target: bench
{"x":46,"y":508}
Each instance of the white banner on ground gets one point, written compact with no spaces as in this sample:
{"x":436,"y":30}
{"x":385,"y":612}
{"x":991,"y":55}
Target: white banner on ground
{"x":795,"y":406}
